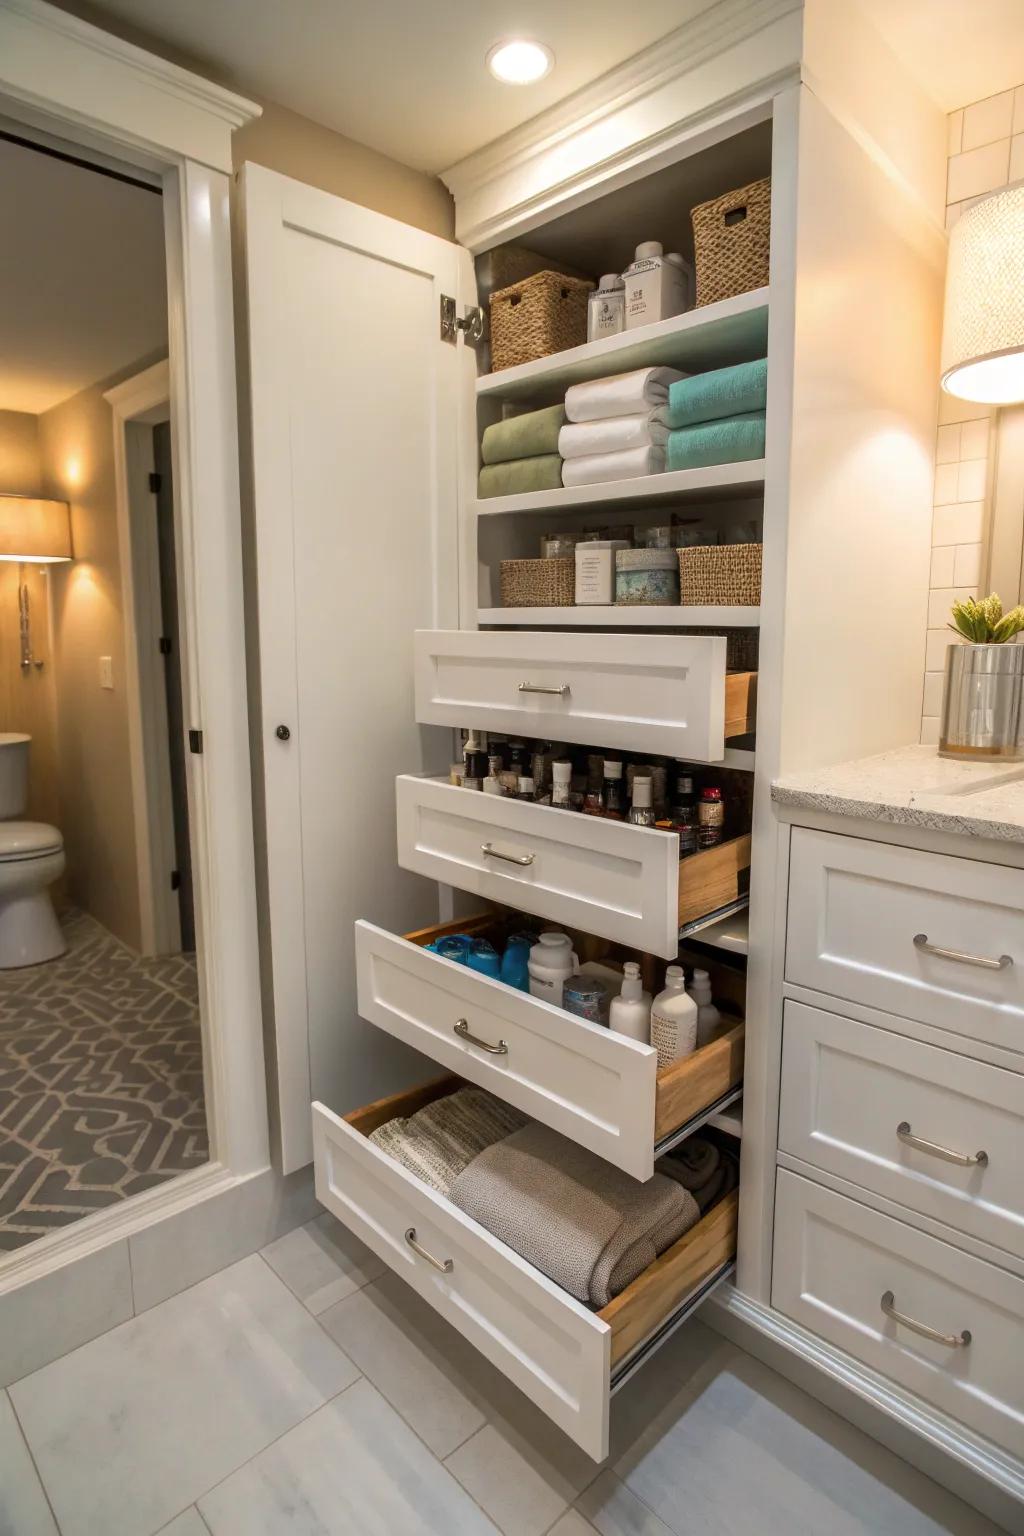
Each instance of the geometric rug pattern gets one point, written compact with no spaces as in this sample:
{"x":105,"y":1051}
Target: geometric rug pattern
{"x":101,"y":1081}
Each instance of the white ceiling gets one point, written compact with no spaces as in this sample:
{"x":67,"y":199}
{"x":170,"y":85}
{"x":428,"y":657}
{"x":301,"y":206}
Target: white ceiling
{"x":81,"y":276}
{"x":959,"y":50}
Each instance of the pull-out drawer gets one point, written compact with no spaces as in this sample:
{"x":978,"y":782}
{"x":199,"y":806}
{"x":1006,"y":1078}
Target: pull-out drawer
{"x":565,"y":1357}
{"x":924,"y":935}
{"x":933,"y":1130}
{"x":615,"y":880}
{"x":598,"y":1088}
{"x":668,"y":694}
{"x":923,"y":1313}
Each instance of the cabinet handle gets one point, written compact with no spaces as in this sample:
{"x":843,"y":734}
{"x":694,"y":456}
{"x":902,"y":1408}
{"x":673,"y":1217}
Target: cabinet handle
{"x":952,"y":1340}
{"x":561,"y":689}
{"x":962,"y":1159}
{"x":921,"y":942}
{"x":444,"y":1265}
{"x":462,"y":1030}
{"x":522,"y":859}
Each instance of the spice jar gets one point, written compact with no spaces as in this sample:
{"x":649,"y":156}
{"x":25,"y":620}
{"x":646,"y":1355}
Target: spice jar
{"x":710,"y":817}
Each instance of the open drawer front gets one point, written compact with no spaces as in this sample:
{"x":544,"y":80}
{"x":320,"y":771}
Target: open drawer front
{"x":565,"y":1357}
{"x":598,"y":1088}
{"x":667,"y":694}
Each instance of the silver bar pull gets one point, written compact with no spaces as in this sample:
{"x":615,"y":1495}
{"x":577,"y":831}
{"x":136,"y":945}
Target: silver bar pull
{"x":561,"y":689}
{"x":987,"y":964}
{"x":462,"y":1030}
{"x":444,"y":1265}
{"x":952,"y":1340}
{"x":962,"y":1159}
{"x":524,"y":860}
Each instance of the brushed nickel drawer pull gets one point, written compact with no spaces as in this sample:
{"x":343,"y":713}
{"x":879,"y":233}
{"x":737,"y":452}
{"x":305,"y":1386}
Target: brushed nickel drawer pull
{"x":962,"y":1159}
{"x":462,"y":1030}
{"x":952,"y":1340}
{"x":524,"y":860}
{"x":921,"y":942}
{"x":561,"y":689}
{"x":444,"y":1265}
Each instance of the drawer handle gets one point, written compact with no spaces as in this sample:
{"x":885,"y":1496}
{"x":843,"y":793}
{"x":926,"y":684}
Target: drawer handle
{"x":962,"y":1159}
{"x":524,"y":860}
{"x":462,"y":1030}
{"x":953,"y":1340}
{"x":921,"y":942}
{"x":444,"y":1265}
{"x":561,"y":689}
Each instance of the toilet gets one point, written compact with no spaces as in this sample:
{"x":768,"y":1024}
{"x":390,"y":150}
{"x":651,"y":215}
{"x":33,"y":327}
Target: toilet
{"x":31,"y":859}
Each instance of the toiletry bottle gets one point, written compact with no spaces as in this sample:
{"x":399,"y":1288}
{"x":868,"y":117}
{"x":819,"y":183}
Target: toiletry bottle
{"x":552,"y":961}
{"x":475,"y":757}
{"x":515,"y":961}
{"x":593,"y":804}
{"x":684,"y":814}
{"x":655,"y":286}
{"x":492,"y":784}
{"x":641,"y":813}
{"x":561,"y":773}
{"x":525,"y":790}
{"x":673,"y":1020}
{"x":708,"y":1016}
{"x":516,"y":766}
{"x":710,"y":817}
{"x":606,"y":308}
{"x":614,"y":806}
{"x":630,"y":1012}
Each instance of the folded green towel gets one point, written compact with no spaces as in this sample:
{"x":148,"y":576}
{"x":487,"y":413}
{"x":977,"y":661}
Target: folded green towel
{"x":716,"y":442}
{"x":523,"y":437}
{"x":724,"y":392}
{"x":542,"y":473}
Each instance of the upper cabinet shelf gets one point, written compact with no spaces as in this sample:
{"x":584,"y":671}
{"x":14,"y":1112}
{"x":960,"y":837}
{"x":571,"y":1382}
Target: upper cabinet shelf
{"x":732,"y":331}
{"x":717,"y":482}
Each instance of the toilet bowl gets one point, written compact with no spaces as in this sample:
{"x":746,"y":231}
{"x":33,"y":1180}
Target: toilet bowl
{"x":31,"y":859}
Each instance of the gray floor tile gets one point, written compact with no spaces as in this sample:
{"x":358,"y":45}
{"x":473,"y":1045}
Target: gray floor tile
{"x":53,"y":1314}
{"x":131,"y":1428}
{"x":23,"y":1507}
{"x":189,"y":1523}
{"x":322,"y":1262}
{"x":351,"y":1469}
{"x":572,"y":1523}
{"x":614,"y":1511}
{"x":524,"y":1480}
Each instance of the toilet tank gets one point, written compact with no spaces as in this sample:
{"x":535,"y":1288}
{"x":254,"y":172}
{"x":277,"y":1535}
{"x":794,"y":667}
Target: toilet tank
{"x":13,"y":775}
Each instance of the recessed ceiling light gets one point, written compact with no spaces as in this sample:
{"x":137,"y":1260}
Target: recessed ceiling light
{"x":520,"y":62}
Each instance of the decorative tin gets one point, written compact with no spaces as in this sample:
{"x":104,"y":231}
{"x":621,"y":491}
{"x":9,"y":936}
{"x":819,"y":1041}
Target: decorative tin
{"x":647,"y":576}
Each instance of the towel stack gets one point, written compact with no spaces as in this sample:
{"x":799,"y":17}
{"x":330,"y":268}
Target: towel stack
{"x":702,"y":1169}
{"x":616,"y":426}
{"x":521,"y":453}
{"x":717,"y":417}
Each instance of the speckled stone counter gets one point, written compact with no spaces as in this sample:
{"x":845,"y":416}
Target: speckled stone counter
{"x":914,"y":787}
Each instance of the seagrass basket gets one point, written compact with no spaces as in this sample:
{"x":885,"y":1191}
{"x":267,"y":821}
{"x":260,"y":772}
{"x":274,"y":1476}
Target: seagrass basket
{"x":543,"y":314}
{"x":538,"y":583}
{"x":731,"y":239}
{"x":720,"y":575}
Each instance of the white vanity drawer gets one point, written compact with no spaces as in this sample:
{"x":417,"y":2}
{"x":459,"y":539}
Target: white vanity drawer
{"x":854,"y":1095}
{"x":866,"y":920}
{"x":837,"y":1265}
{"x":565,"y":1357}
{"x":666,"y":694}
{"x":598,"y":1088}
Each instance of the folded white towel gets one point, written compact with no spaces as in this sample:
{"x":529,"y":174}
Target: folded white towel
{"x":627,"y":465}
{"x":625,"y":394}
{"x":612,"y":434}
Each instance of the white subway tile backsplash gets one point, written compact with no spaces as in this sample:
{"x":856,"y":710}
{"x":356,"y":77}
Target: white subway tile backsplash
{"x":988,"y":120}
{"x":941,"y":600}
{"x":974,"y":439}
{"x":977,"y":171}
{"x":947,"y":444}
{"x":967,"y":565}
{"x":955,"y":133}
{"x":943,"y":566}
{"x":962,"y":524}
{"x":972,"y":477}
{"x":933,"y":692}
{"x":1017,"y":157}
{"x":947,"y":477}
{"x":953,"y":409}
{"x":930,"y":731}
{"x":936,"y":646}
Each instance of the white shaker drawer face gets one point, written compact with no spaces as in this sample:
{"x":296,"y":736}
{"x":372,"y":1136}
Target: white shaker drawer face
{"x":924,"y":935}
{"x":593,"y":1086}
{"x":901,"y":1302}
{"x":932,"y":1130}
{"x":609,"y":878}
{"x":642,"y":693}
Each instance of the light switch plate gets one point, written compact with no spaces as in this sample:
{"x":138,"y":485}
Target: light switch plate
{"x":106,"y":672}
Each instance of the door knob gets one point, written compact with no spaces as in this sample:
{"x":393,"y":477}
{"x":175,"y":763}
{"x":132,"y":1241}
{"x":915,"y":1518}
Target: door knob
{"x":283,"y":733}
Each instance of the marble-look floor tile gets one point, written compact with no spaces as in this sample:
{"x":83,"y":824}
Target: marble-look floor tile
{"x":131,"y":1428}
{"x":47,"y":1317}
{"x":351,"y":1469}
{"x":615,"y":1511}
{"x":523,"y":1476}
{"x":189,"y":1523}
{"x":692,"y":1354}
{"x":322,"y":1262}
{"x":572,"y":1523}
{"x":23,"y":1507}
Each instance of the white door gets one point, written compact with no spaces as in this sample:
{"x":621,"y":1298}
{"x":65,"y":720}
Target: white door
{"x":355,"y":402}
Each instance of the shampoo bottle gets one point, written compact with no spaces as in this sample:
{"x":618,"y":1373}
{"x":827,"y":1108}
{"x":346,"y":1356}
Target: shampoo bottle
{"x":673,"y":1020}
{"x":708,"y":1015}
{"x":630,"y":1012}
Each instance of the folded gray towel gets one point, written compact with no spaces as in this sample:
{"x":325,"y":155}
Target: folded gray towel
{"x":586,"y":1225}
{"x":438,"y":1141}
{"x":702,"y":1169}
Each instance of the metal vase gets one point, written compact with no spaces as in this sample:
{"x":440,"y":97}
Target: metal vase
{"x":982,"y":708}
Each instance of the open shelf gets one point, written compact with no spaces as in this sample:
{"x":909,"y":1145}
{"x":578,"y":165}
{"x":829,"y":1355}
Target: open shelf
{"x":626,"y":617}
{"x":732,"y":331}
{"x":729,"y":933}
{"x":715,"y":482}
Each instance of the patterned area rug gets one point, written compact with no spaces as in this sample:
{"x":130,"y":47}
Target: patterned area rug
{"x":101,"y":1081}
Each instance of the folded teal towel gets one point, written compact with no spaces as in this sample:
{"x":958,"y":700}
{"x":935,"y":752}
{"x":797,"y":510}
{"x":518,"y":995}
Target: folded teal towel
{"x":541,"y":473}
{"x":716,"y":442}
{"x":523,"y":437}
{"x":724,"y":392}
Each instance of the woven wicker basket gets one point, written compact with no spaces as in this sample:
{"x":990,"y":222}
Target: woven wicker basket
{"x":720,"y":575}
{"x":542,"y":314}
{"x":731,"y":238}
{"x":538,"y":583}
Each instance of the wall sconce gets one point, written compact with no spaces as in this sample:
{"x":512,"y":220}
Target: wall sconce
{"x":983,"y":328}
{"x":33,"y":532}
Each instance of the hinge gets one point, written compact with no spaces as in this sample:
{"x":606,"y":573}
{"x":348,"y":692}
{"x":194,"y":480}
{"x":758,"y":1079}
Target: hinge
{"x":154,"y":481}
{"x":473,"y":324}
{"x":175,"y":879}
{"x":165,"y":645}
{"x":195,"y":742}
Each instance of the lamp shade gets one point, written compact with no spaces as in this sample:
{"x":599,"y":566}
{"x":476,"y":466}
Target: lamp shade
{"x":35,"y":531}
{"x":983,"y":329}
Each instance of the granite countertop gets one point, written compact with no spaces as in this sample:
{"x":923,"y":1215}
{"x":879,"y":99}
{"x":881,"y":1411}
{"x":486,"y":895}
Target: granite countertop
{"x":914,"y":787}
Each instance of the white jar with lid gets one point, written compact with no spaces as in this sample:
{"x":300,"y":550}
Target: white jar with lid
{"x":552,"y":961}
{"x":595,"y":571}
{"x":606,"y":308}
{"x":657,"y":286}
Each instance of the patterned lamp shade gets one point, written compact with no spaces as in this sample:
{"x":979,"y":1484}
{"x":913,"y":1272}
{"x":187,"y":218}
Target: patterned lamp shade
{"x":34,"y":531}
{"x":983,"y":330}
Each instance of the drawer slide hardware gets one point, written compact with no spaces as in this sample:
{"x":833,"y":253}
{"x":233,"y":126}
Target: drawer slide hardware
{"x":444,"y":1265}
{"x":461,"y":1028}
{"x":559,"y":689}
{"x":962,"y":1159}
{"x":951,"y":1340}
{"x":524,"y":860}
{"x":986,"y":964}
